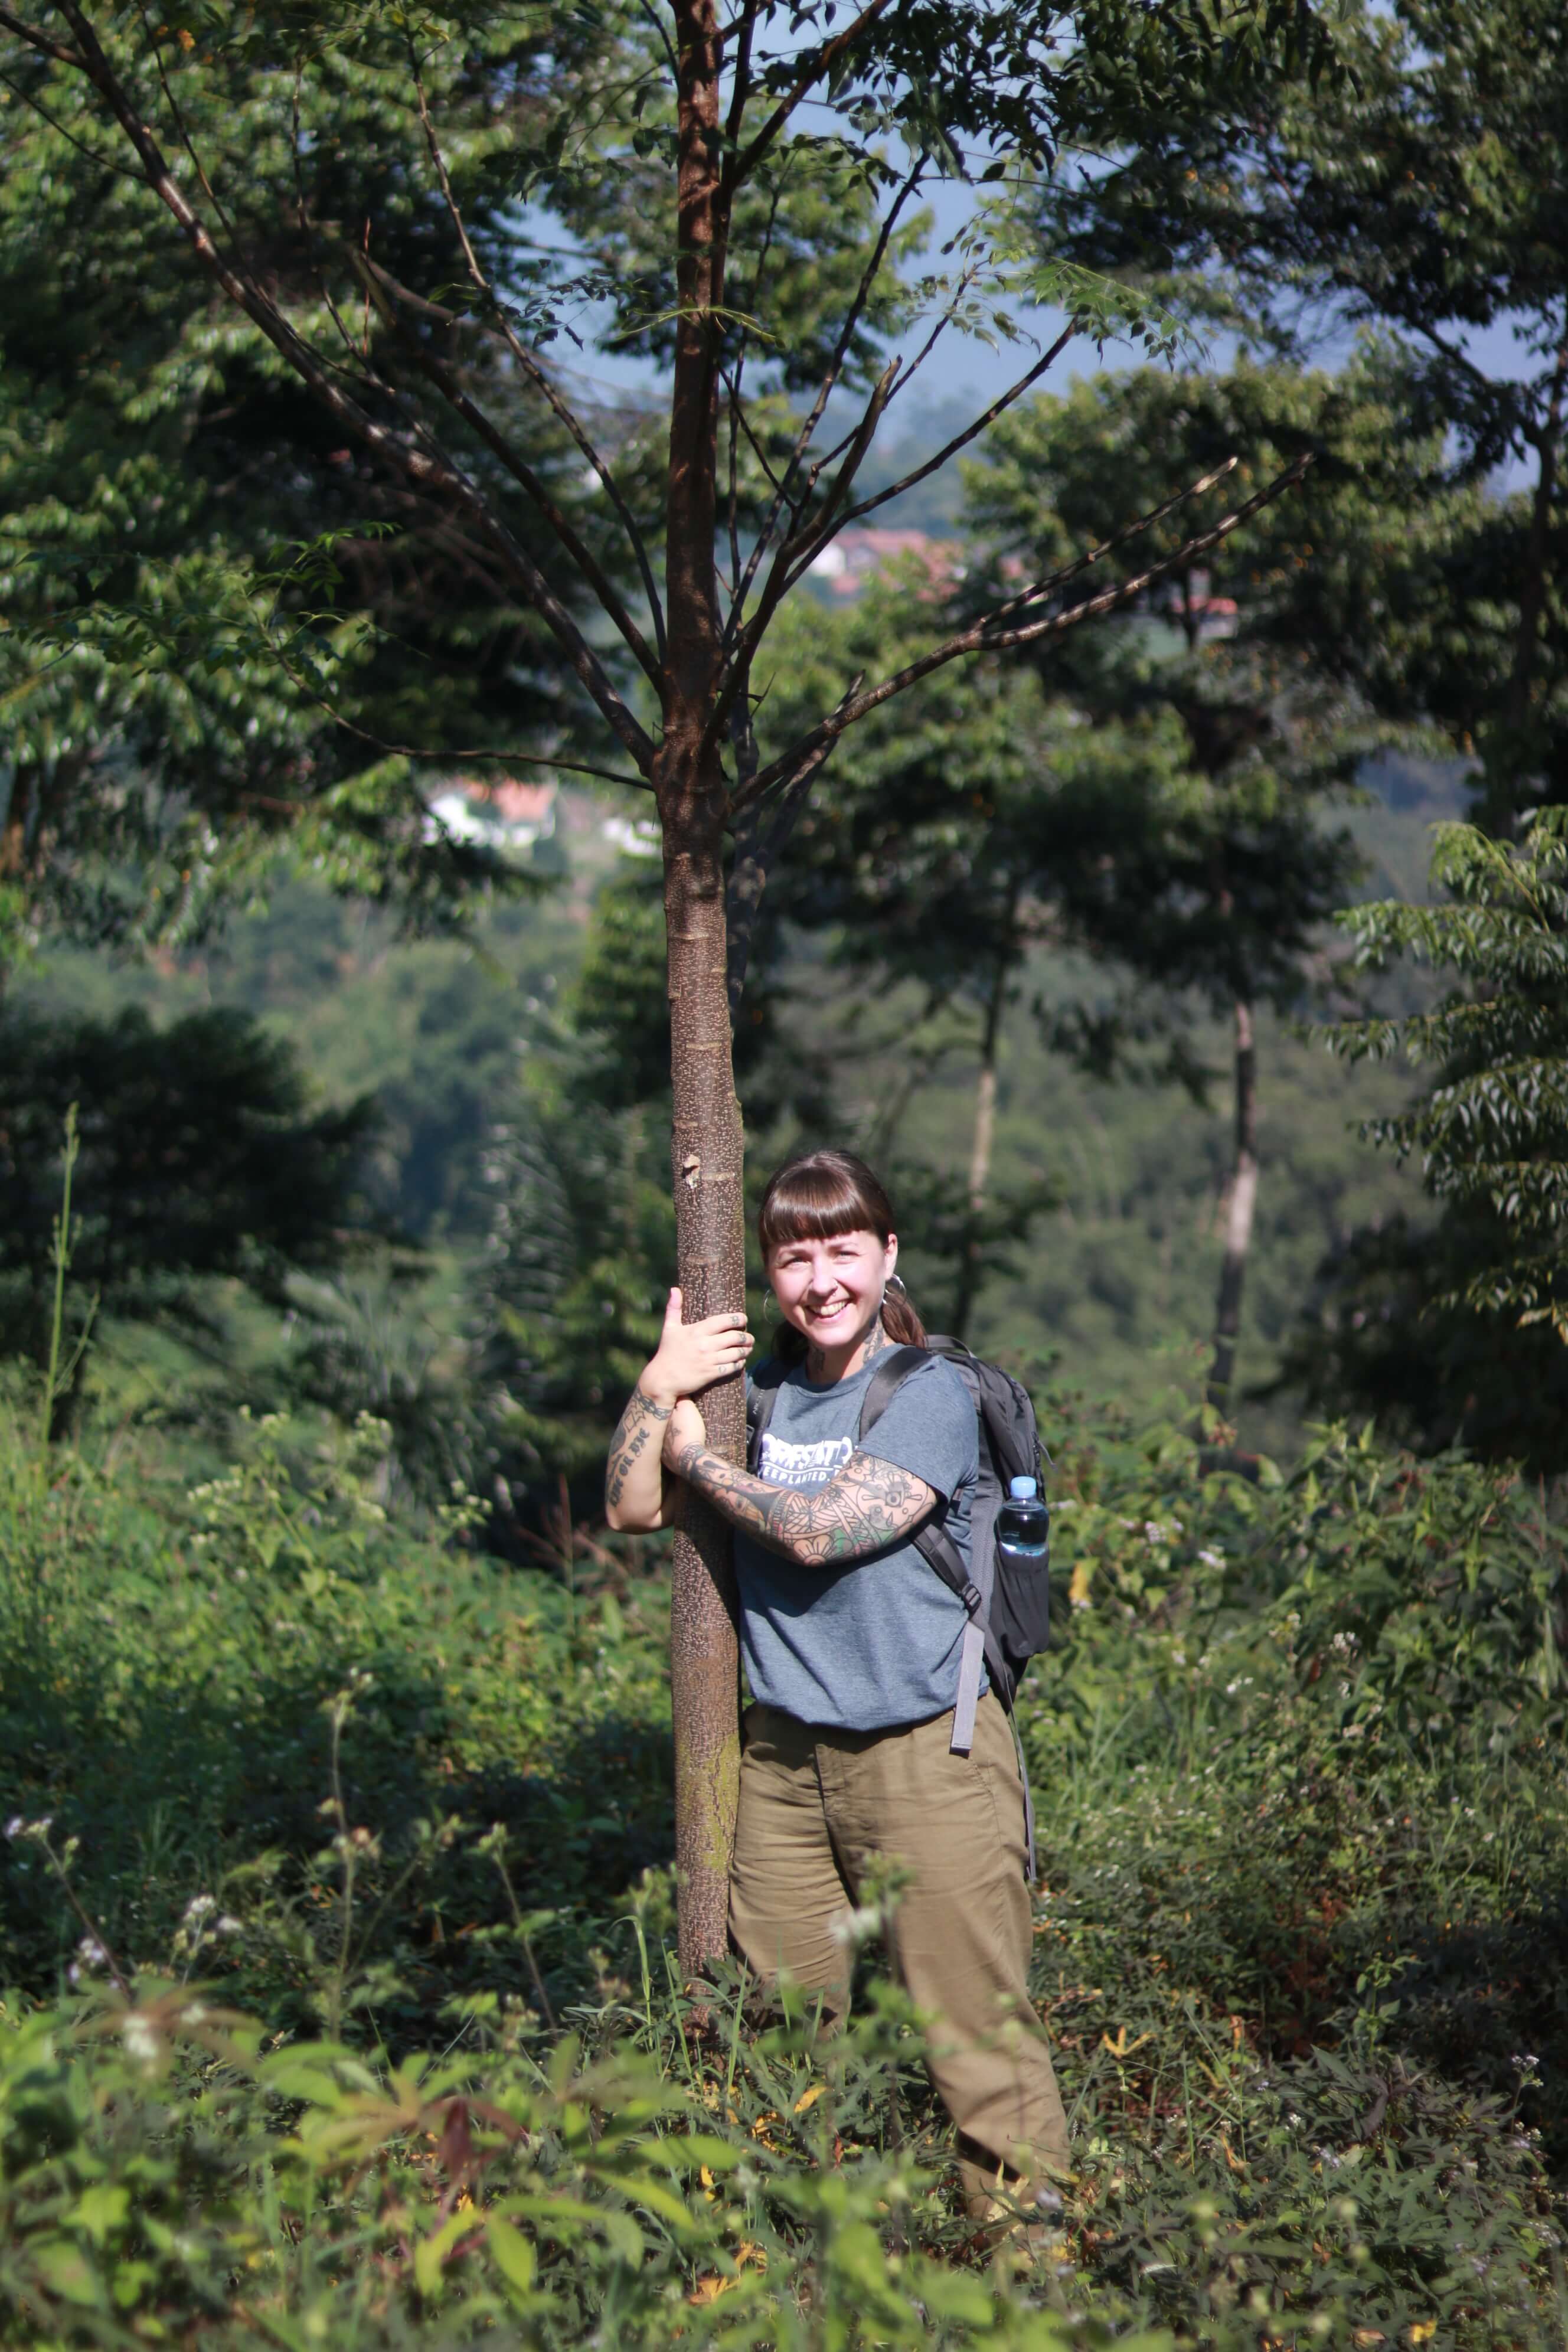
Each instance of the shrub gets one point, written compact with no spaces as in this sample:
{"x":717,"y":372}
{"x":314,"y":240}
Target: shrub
{"x":1297,"y":1765}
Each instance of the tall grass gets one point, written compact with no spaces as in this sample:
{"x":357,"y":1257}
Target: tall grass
{"x":373,"y":1833}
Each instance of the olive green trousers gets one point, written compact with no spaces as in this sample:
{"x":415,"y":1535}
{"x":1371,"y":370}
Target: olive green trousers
{"x":817,"y":1807}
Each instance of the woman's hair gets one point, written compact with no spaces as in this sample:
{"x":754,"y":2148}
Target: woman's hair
{"x":823,"y":1193}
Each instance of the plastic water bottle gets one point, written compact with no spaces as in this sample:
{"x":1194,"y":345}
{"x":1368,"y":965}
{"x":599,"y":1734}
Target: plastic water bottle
{"x":1022,"y":1523}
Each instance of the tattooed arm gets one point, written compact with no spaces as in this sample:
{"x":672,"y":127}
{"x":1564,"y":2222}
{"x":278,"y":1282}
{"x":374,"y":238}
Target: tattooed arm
{"x":869,"y":1504}
{"x":691,"y":1357}
{"x":634,"y":1475}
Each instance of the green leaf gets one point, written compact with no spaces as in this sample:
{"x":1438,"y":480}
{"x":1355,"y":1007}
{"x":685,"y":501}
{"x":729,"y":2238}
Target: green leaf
{"x":431,"y":2252}
{"x":100,"y":2210}
{"x":513,"y":2252}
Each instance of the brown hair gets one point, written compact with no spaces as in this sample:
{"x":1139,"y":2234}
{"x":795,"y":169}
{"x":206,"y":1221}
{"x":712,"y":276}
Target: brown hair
{"x":823,"y":1193}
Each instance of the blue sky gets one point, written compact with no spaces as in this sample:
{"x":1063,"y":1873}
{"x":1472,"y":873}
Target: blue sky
{"x":961,"y":368}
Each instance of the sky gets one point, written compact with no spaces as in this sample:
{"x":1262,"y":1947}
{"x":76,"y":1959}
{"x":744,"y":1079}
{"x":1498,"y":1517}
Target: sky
{"x":964,"y":368}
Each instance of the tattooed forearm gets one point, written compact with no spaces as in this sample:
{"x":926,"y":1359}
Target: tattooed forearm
{"x":869,"y":1505}
{"x":640,"y":1427}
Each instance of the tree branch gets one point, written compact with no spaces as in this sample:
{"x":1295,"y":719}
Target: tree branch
{"x":755,"y":853}
{"x":985,"y":636}
{"x":35,"y":106}
{"x":497,"y":441}
{"x":800,"y":550}
{"x":824,"y":394}
{"x":536,"y":375}
{"x":738,"y":168}
{"x":1038,"y":588}
{"x":431,"y":472}
{"x":741,"y":87}
{"x":37,"y":38}
{"x":778,"y":576}
{"x":1015,"y":392}
{"x":965,"y":281}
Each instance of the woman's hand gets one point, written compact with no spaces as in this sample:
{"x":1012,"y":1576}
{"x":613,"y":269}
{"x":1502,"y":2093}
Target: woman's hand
{"x":693,"y":1356}
{"x":685,"y":1427}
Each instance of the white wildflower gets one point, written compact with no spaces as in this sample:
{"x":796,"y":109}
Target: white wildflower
{"x":141,"y":2041}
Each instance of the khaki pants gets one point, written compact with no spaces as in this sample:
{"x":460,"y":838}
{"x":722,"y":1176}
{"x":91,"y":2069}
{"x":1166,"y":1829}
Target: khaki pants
{"x":817,"y":1805}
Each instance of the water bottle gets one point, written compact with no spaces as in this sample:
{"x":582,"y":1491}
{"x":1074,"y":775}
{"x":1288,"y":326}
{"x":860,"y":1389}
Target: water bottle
{"x":1022,"y":1523}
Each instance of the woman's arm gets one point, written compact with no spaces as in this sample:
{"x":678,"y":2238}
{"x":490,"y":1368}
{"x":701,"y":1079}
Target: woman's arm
{"x":865,"y":1506}
{"x":634,"y":1475}
{"x":689,"y":1357}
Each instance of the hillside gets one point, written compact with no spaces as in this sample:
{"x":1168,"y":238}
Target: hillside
{"x":1117,"y":1284}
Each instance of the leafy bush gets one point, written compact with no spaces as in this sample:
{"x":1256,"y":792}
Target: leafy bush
{"x":1461,"y":1328}
{"x":200,"y":1155}
{"x":1299,"y":1950}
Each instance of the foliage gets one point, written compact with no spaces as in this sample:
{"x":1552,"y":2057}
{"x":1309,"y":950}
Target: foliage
{"x":1418,"y":194}
{"x":571,"y":1292}
{"x":218,"y":623}
{"x":1491,"y":1129}
{"x":200,"y":1155}
{"x":1385,"y":1331}
{"x":1297,"y":1753}
{"x":375,"y":1342}
{"x":1218,"y":875}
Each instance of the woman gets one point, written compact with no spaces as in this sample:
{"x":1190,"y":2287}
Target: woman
{"x":852,"y":1644}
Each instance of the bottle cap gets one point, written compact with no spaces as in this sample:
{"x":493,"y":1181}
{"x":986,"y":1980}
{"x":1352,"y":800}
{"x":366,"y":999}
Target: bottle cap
{"x":1024,"y":1487}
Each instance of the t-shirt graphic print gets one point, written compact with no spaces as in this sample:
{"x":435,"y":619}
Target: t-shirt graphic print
{"x":864,"y":1645}
{"x":783,"y":1465}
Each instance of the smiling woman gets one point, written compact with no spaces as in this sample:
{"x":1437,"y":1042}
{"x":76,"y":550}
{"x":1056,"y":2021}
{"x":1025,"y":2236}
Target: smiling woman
{"x":852,"y":1647}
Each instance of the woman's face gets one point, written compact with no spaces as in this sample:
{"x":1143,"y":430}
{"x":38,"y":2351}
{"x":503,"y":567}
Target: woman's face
{"x":830,"y":1290}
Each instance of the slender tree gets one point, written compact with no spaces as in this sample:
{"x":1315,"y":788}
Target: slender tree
{"x":718,"y":97}
{"x":1219,"y":878}
{"x":1422,"y":196}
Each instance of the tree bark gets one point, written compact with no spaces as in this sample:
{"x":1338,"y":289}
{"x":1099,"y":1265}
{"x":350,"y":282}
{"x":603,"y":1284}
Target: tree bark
{"x":1532,"y":592}
{"x":706,"y":1143}
{"x":706,"y":1153}
{"x":1239,"y":1223}
{"x":14,"y":824}
{"x":984,"y":1138}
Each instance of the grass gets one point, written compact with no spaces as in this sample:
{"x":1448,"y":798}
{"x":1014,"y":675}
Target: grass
{"x":374,"y":1832}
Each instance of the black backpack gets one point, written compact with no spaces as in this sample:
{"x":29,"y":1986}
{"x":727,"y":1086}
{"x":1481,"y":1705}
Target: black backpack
{"x":1008,"y":1602}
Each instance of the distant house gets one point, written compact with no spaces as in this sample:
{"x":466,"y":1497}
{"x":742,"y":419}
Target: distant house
{"x":1217,"y":617}
{"x":857,"y":556}
{"x":500,"y":813}
{"x":1207,"y":615}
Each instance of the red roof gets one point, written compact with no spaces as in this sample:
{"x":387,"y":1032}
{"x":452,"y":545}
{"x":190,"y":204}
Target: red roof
{"x":513,"y":802}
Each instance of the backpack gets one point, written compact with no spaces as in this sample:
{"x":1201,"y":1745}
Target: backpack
{"x":1008,"y":1602}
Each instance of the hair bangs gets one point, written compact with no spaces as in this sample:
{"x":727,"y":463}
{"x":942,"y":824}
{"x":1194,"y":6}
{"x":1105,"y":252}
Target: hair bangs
{"x":822,"y":1194}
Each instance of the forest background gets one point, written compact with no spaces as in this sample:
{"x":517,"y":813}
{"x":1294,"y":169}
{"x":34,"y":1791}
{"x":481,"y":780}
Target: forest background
{"x":334,"y":1138}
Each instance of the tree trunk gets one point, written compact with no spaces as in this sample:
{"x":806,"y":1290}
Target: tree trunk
{"x":706,"y":1144}
{"x":15,"y":824}
{"x":1532,"y":591}
{"x":1238,"y":1224}
{"x":983,"y":1139}
{"x":705,"y":1152}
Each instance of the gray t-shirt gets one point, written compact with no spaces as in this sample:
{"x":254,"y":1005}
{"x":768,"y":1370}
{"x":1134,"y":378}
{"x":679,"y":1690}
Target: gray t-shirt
{"x":875,"y":1642}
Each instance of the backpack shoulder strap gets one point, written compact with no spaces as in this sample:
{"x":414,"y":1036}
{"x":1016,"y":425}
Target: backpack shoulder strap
{"x":892,"y":1371}
{"x":937,"y":1549}
{"x":931,"y":1541}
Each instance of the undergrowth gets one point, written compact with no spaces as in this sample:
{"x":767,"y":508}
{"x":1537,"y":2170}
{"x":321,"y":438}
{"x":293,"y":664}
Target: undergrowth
{"x":337,"y":1916}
